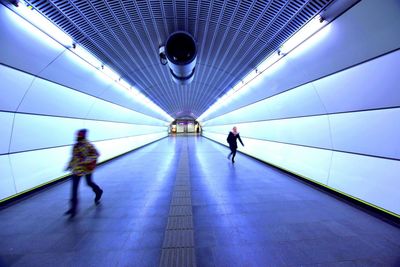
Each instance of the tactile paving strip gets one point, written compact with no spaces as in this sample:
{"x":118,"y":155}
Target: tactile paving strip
{"x":180,"y":222}
{"x":181,"y":201}
{"x":178,"y":246}
{"x":182,"y":188}
{"x":178,"y":257}
{"x":178,"y":239}
{"x":181,"y":193}
{"x":180,"y":211}
{"x":183,"y":182}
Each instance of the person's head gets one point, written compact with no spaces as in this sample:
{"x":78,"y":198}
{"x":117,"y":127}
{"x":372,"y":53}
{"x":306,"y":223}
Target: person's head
{"x":81,"y":135}
{"x":234,"y":129}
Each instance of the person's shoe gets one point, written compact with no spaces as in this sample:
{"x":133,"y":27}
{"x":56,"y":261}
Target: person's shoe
{"x":71,"y":213}
{"x":233,"y":161}
{"x":98,"y":197}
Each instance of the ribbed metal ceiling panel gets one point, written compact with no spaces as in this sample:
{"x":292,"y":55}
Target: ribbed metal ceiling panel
{"x":233,"y":37}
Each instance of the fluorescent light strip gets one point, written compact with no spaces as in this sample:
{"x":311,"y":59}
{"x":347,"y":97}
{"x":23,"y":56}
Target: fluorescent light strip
{"x":269,"y":61}
{"x":303,"y":34}
{"x":300,"y":37}
{"x":134,"y":90}
{"x":110,"y":73}
{"x":124,"y":83}
{"x":42,"y":23}
{"x":142,"y":99}
{"x":88,"y":57}
{"x":250,"y":76}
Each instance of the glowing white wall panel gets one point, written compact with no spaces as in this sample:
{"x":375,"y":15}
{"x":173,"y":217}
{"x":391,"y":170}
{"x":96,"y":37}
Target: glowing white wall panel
{"x":308,"y":131}
{"x":370,"y":179}
{"x":33,"y":168}
{"x":357,"y":88}
{"x":45,"y":97}
{"x":7,"y":187}
{"x":41,"y":166}
{"x":302,"y":101}
{"x":102,"y":110}
{"x":374,"y":84}
{"x":372,"y":132}
{"x":91,"y":81}
{"x":121,"y":96}
{"x":375,"y":18}
{"x":305,"y":161}
{"x":72,"y":71}
{"x":22,"y":44}
{"x":100,"y":130}
{"x":112,"y":148}
{"x":36,"y":132}
{"x":359,"y":132}
{"x":13,"y":87}
{"x":6,"y":120}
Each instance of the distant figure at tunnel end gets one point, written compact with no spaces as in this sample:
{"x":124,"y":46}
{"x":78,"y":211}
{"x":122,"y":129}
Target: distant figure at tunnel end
{"x":232,"y":141}
{"x":82,"y":163}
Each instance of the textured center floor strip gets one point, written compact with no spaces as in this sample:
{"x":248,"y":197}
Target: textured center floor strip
{"x":178,"y":246}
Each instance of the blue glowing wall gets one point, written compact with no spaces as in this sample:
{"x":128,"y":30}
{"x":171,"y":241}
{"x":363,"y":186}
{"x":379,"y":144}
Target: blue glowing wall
{"x":46,"y":94}
{"x":330,"y":110}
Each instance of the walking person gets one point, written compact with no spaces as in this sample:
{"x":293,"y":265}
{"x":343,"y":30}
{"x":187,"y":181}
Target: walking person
{"x":232,"y":141}
{"x":82,"y":163}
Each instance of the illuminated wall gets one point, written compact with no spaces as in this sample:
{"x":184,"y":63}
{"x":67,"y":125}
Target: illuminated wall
{"x":330,"y":110}
{"x":46,"y":94}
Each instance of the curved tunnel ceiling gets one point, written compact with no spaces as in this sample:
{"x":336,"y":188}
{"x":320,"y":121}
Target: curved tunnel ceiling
{"x":232,"y":37}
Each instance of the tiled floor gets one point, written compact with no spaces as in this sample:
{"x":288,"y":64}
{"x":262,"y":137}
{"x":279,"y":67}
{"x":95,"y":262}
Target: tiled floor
{"x":246,"y":214}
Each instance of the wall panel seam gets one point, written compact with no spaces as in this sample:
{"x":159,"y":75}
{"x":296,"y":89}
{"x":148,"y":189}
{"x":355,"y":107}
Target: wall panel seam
{"x":11,"y":132}
{"x":12,"y":174}
{"x":78,"y":118}
{"x":66,"y":145}
{"x":305,"y":116}
{"x":62,"y":52}
{"x":314,"y":147}
{"x":329,"y":130}
{"x":16,"y":110}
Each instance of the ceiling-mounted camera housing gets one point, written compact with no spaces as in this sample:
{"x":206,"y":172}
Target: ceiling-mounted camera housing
{"x":181,"y":53}
{"x":163,"y":57}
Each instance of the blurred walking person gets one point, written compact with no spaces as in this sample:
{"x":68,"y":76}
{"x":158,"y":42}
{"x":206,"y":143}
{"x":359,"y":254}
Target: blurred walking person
{"x":232,"y":141}
{"x":82,"y":163}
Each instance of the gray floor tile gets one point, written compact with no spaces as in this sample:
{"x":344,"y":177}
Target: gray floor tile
{"x":246,"y":214}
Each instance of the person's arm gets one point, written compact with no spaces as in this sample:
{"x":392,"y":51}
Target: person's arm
{"x":92,"y":155}
{"x":72,"y":161}
{"x":240,"y":140}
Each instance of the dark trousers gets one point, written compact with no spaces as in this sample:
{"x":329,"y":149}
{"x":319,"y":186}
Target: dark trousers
{"x":233,"y":152}
{"x":75,"y":184}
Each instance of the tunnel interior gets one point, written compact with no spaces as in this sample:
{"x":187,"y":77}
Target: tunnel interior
{"x":312,"y":89}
